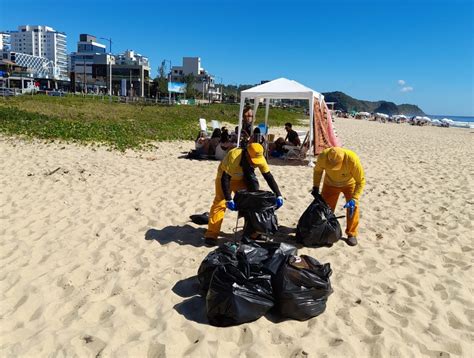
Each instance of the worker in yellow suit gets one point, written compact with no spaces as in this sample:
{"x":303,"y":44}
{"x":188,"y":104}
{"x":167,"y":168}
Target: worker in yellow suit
{"x":232,"y":176}
{"x":343,"y":174}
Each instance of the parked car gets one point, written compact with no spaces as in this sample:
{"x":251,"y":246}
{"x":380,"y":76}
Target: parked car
{"x":56,"y":93}
{"x":9,"y":92}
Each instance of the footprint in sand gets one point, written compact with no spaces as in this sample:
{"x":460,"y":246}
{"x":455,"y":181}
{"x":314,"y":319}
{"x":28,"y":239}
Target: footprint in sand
{"x":442,"y":291}
{"x":373,"y":327}
{"x":156,"y":350}
{"x":246,"y":336}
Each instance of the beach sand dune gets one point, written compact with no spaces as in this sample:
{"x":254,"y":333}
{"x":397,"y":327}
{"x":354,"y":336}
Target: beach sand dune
{"x":98,"y":255}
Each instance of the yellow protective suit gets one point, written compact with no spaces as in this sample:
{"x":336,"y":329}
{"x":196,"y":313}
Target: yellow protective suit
{"x":349,"y":179}
{"x":230,"y":165}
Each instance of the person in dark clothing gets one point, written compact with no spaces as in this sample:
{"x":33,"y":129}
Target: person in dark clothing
{"x":292,"y":137}
{"x":247,"y":122}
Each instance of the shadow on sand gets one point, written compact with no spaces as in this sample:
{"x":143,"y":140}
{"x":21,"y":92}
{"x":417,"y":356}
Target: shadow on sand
{"x":181,"y":234}
{"x":193,"y":307}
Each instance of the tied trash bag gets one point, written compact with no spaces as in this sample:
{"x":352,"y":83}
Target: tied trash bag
{"x":318,"y":226}
{"x":225,"y":254}
{"x":200,"y":219}
{"x":266,"y":256}
{"x":258,"y":209}
{"x":302,"y":287}
{"x":236,"y":296}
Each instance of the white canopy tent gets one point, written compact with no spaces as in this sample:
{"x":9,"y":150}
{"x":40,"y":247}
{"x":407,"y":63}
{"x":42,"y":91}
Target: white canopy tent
{"x":280,"y":88}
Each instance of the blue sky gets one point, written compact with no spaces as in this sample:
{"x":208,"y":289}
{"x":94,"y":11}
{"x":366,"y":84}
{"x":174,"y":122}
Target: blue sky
{"x":363,"y":48}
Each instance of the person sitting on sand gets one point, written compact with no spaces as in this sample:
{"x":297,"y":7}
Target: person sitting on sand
{"x":224,"y":145}
{"x":343,"y":174}
{"x":202,"y":143}
{"x":214,"y":141}
{"x":292,"y":137}
{"x":232,"y":175}
{"x":257,"y":136}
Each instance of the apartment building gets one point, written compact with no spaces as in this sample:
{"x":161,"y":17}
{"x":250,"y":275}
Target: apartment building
{"x":42,"y":41}
{"x":90,"y":66}
{"x":131,"y":74}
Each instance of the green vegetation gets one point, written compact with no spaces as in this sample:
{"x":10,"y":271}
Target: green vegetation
{"x":347,"y":103}
{"x":119,"y":125}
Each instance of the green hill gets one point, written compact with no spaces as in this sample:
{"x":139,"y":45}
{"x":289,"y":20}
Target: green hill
{"x":346,"y":103}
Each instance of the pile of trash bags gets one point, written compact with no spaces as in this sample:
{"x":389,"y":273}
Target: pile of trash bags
{"x":242,"y":282}
{"x":318,"y":226}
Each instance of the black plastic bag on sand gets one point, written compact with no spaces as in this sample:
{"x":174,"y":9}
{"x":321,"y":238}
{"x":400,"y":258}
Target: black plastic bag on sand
{"x":225,"y":254}
{"x":318,"y":226}
{"x":236,"y":297}
{"x":254,"y":200}
{"x":258,"y":209}
{"x":200,"y":219}
{"x":302,"y":287}
{"x":266,"y":256}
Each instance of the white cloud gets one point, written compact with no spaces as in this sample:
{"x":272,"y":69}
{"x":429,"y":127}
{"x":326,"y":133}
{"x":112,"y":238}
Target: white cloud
{"x":407,"y":89}
{"x":401,"y":82}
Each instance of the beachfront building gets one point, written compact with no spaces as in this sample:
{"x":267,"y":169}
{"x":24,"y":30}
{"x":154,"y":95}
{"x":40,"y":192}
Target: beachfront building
{"x":15,"y":78}
{"x":90,"y":66}
{"x":203,"y":82}
{"x":131,"y":74}
{"x":42,"y":41}
{"x":5,"y":41}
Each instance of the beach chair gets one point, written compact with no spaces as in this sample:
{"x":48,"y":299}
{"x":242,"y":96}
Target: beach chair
{"x":215,"y":124}
{"x":263,"y":128}
{"x":203,"y":124}
{"x":298,"y":152}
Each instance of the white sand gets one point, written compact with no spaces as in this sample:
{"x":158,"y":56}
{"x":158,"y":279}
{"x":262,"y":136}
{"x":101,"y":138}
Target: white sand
{"x":79,"y":277}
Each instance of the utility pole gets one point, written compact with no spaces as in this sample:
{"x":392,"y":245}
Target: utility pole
{"x":110,"y":64}
{"x":84,"y":83}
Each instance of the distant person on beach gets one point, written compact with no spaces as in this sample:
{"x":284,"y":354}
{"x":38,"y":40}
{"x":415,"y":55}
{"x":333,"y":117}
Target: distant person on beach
{"x":292,"y":137}
{"x":214,"y":141}
{"x":343,"y":174}
{"x":202,"y":143}
{"x":234,"y":173}
{"x":224,"y":146}
{"x":257,"y":136}
{"x":247,"y":121}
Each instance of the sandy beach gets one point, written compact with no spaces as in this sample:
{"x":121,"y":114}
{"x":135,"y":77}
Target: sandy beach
{"x":98,"y":253}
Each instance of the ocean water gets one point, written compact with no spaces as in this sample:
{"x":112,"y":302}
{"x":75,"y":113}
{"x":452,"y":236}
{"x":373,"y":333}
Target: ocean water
{"x":454,"y":118}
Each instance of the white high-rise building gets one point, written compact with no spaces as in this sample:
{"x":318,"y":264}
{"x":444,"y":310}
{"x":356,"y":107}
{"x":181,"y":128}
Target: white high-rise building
{"x":42,"y":41}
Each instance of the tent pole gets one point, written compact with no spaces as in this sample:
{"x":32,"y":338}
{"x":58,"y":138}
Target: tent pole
{"x":312,"y":140}
{"x":256,"y":102}
{"x":267,"y":108}
{"x":241,"y":112}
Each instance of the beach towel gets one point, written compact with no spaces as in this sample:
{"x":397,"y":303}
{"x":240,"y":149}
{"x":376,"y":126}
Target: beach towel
{"x":324,"y":136}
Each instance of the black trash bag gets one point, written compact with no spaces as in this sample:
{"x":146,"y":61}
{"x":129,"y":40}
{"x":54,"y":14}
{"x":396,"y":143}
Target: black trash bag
{"x":318,"y":226}
{"x":279,"y":253}
{"x":254,"y":200}
{"x":235,"y":297}
{"x":302,"y":287}
{"x":254,"y":254}
{"x":224,"y":254}
{"x":200,"y":219}
{"x":266,"y":256}
{"x":258,"y":210}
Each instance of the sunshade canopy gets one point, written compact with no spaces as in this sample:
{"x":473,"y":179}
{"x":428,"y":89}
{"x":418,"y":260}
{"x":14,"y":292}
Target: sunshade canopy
{"x":281,"y":88}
